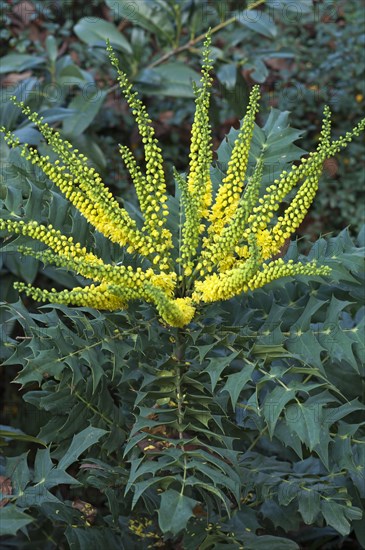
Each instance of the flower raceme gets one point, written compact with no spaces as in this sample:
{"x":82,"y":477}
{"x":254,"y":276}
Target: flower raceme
{"x":229,"y":242}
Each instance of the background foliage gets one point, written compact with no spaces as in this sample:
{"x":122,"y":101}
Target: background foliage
{"x":272,"y":447}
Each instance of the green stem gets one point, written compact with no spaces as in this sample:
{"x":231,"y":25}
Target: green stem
{"x":201,"y":37}
{"x":190,"y":43}
{"x":93,"y":409}
{"x":179,"y":356}
{"x":179,"y":353}
{"x":256,"y":440}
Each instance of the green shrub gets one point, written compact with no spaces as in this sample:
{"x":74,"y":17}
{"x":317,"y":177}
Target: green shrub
{"x":229,"y":418}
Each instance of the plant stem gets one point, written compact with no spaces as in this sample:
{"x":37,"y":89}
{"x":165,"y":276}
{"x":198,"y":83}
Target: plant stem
{"x":201,"y":37}
{"x":179,"y":353}
{"x":256,"y":440}
{"x":189,"y":44}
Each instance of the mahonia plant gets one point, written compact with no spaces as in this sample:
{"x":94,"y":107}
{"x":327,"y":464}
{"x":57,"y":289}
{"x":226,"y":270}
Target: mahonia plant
{"x":229,"y":242}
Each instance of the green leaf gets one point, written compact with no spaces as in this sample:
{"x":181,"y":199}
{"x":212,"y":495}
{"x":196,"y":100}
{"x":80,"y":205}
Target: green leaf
{"x":258,"y":21}
{"x":288,"y":438}
{"x":175,"y":511}
{"x":322,"y":448}
{"x":20,"y":436}
{"x":217,"y":365}
{"x":265,"y":542}
{"x":304,"y":320}
{"x":339,"y":516}
{"x":359,"y":529}
{"x":280,"y":137}
{"x":46,"y":361}
{"x":337,"y":413}
{"x":86,"y":108}
{"x":12,"y":519}
{"x":79,"y":538}
{"x":51,"y":47}
{"x":299,"y":7}
{"x":71,"y":75}
{"x":236,"y":94}
{"x":141,"y":486}
{"x":274,"y":404}
{"x":203,"y":350}
{"x":307,"y":347}
{"x":278,"y":515}
{"x":237,"y":381}
{"x":210,"y":489}
{"x":80,"y":442}
{"x":148,"y":14}
{"x":219,"y":474}
{"x":171,"y":79}
{"x":309,"y":505}
{"x":96,"y":31}
{"x":305,"y":421}
{"x":45,"y":473}
{"x":18,"y":62}
{"x":227,"y":75}
{"x":24,"y":267}
{"x":17,"y":469}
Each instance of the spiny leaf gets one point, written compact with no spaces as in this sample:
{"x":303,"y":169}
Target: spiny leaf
{"x":339,"y":516}
{"x":217,"y":365}
{"x":305,"y":421}
{"x":175,"y":511}
{"x":80,"y":442}
{"x":237,"y":381}
{"x":274,"y":405}
{"x":12,"y":519}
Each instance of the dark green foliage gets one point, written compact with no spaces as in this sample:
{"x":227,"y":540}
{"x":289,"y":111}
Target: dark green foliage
{"x":238,"y":431}
{"x":245,"y":430}
{"x":249,"y":419}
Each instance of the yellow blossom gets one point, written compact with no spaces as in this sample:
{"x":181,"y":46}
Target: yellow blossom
{"x":225,"y":246}
{"x":230,"y":191}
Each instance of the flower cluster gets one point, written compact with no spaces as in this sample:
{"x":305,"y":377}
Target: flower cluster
{"x":228,"y":242}
{"x":143,"y":530}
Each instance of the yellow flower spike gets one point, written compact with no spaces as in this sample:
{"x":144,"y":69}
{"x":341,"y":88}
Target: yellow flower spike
{"x":223,"y":252}
{"x":272,"y":241}
{"x":99,"y":297}
{"x":51,"y":237}
{"x":196,"y":192}
{"x":275,"y":193}
{"x":266,"y":243}
{"x":295,"y":212}
{"x":325,"y":135}
{"x":190,"y":228}
{"x":278,"y":269}
{"x":229,"y":193}
{"x":94,"y":201}
{"x":299,"y":206}
{"x":138,"y":179}
{"x":165,"y":281}
{"x":176,"y":313}
{"x":199,"y":184}
{"x":220,"y":250}
{"x":151,"y":188}
{"x":98,"y":271}
{"x":231,"y":282}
